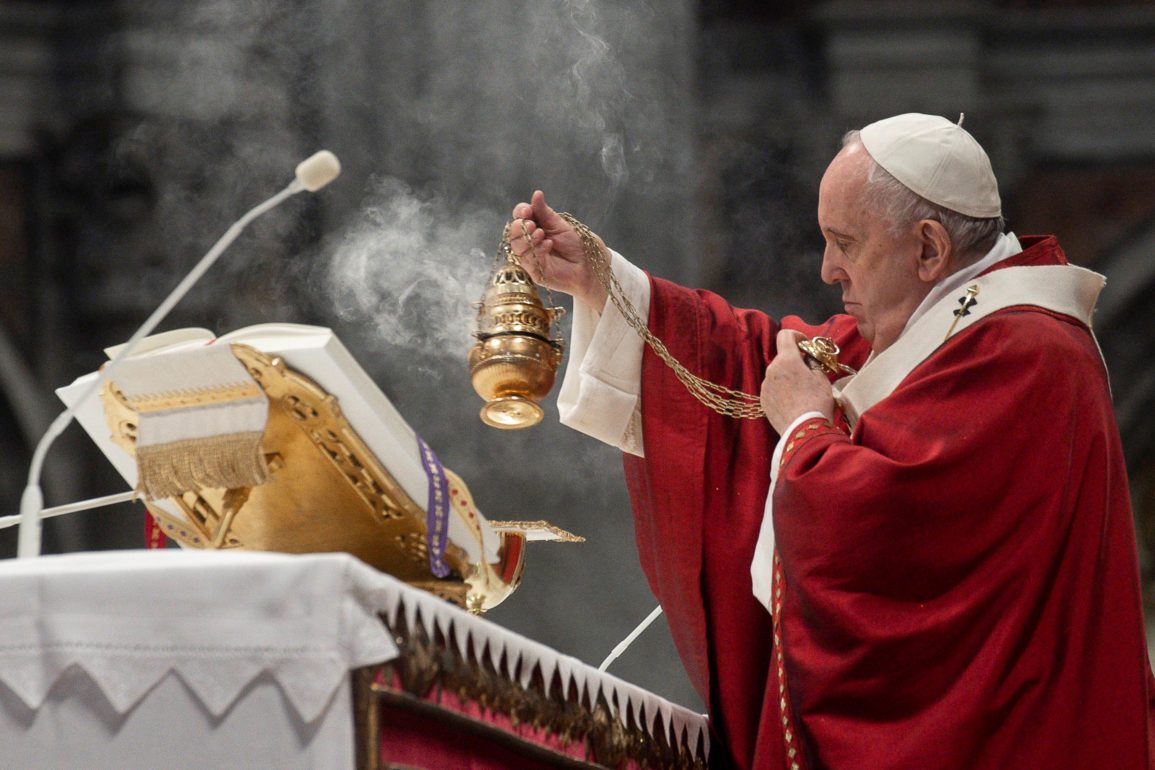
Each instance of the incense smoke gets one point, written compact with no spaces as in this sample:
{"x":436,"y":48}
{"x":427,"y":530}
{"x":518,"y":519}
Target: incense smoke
{"x":545,"y":105}
{"x":411,"y":271}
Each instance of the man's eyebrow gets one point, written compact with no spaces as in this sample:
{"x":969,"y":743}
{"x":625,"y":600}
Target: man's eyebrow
{"x":837,"y":233}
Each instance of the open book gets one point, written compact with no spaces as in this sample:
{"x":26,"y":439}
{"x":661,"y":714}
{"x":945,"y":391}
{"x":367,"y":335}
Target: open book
{"x":340,"y":467}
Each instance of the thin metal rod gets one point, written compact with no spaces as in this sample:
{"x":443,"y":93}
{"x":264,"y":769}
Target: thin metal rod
{"x":624,"y":644}
{"x":83,"y":505}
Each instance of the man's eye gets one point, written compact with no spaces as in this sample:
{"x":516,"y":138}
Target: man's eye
{"x":842,"y":246}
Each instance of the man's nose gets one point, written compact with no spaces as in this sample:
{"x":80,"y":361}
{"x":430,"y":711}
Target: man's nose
{"x":831,"y":268}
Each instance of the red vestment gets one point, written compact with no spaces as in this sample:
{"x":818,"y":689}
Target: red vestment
{"x":961,"y":580}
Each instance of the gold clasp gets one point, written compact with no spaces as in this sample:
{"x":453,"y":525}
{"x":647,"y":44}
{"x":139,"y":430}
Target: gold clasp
{"x":821,"y":353}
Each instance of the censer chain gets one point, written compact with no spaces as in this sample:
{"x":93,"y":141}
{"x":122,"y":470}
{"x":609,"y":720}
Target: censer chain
{"x":507,"y":251}
{"x":723,"y":400}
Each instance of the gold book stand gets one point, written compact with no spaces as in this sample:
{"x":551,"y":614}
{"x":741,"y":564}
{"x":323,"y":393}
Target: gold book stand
{"x":327,"y":491}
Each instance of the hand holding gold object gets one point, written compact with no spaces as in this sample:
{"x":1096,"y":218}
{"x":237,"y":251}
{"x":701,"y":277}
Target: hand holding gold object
{"x":821,"y":354}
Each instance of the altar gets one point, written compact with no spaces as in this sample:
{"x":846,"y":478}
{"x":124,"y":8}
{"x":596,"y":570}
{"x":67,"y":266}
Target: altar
{"x":193,"y":659}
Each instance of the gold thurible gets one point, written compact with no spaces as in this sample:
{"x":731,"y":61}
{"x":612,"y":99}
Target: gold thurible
{"x":514,"y":361}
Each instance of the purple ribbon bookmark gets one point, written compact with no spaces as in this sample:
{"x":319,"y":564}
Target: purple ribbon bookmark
{"x":436,"y":509}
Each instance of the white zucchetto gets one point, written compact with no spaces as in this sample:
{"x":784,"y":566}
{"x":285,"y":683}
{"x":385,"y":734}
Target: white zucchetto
{"x":936,"y":159}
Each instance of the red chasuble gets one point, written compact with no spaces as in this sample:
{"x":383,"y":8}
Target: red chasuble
{"x":960,"y":582}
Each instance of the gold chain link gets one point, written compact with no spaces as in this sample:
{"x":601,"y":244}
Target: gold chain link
{"x":723,"y":400}
{"x":506,"y":251}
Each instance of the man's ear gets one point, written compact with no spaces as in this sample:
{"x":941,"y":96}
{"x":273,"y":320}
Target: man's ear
{"x":934,"y":261}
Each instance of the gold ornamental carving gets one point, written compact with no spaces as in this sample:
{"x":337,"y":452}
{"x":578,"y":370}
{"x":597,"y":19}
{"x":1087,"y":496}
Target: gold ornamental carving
{"x":327,"y":492}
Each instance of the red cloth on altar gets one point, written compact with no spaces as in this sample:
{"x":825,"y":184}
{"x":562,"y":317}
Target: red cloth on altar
{"x":962,"y":586}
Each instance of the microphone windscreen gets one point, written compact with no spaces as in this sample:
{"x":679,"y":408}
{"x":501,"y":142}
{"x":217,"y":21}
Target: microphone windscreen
{"x":318,"y":170}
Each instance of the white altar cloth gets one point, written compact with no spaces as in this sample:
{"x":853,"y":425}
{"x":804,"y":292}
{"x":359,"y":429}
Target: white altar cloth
{"x":175,"y":659}
{"x":234,"y":659}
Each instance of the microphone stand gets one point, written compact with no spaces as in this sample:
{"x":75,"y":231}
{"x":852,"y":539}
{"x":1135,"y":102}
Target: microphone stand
{"x":83,"y":505}
{"x":309,"y":177}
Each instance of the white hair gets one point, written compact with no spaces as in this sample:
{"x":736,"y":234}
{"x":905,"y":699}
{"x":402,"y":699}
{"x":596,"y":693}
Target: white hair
{"x":900,"y":207}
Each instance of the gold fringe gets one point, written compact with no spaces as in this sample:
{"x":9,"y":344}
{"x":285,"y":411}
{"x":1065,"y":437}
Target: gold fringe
{"x":218,"y":462}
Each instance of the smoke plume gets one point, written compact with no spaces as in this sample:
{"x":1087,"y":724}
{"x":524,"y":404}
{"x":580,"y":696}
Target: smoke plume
{"x":411,"y":269}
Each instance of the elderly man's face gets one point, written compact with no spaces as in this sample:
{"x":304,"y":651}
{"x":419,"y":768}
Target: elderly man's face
{"x":878,"y":271}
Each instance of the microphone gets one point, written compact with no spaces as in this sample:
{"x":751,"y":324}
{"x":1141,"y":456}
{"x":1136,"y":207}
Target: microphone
{"x":311,"y":175}
{"x":317,"y":170}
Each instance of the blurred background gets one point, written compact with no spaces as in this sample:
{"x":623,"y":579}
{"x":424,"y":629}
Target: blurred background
{"x":691,"y":135}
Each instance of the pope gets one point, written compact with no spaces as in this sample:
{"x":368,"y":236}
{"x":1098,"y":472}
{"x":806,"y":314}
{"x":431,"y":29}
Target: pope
{"x":930,"y":563}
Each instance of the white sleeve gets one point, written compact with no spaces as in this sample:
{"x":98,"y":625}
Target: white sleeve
{"x":601,"y":389}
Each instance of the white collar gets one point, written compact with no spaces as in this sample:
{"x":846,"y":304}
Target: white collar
{"x":1062,"y":289}
{"x":1007,"y":245}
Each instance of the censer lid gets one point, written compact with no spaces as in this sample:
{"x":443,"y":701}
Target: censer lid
{"x":511,"y":304}
{"x":511,"y":278}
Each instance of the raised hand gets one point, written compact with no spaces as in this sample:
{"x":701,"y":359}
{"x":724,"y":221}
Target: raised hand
{"x":552,"y":253}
